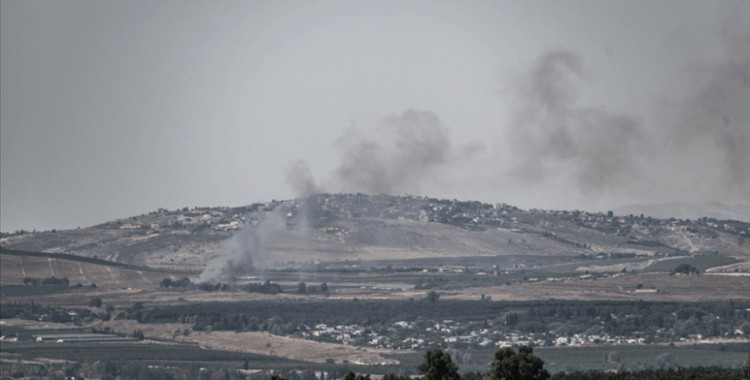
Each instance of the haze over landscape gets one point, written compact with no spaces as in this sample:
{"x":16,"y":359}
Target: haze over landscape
{"x":293,"y":190}
{"x":117,"y":109}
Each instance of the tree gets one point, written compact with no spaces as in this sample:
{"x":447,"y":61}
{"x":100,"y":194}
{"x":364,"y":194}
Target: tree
{"x":323,"y":287}
{"x":438,"y":366}
{"x":276,"y":377}
{"x":138,"y":334}
{"x":165,"y":283}
{"x":95,"y":302}
{"x":746,"y":369}
{"x":350,"y":376}
{"x":433,"y":296}
{"x":521,"y":365}
{"x":301,"y":288}
{"x":393,"y":376}
{"x":686,"y":269}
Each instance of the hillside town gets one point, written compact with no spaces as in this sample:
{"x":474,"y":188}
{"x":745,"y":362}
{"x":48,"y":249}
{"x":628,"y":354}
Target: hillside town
{"x":324,"y":209}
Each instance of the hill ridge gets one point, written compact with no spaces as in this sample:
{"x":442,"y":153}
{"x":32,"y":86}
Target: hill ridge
{"x":331,"y":227}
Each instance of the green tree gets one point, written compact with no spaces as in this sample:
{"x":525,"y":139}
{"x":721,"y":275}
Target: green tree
{"x":438,"y":366}
{"x":686,"y":268}
{"x":165,"y":283}
{"x":433,"y":296}
{"x":471,"y":376}
{"x":746,"y":369}
{"x":350,"y":376}
{"x":302,"y":288}
{"x":95,"y":302}
{"x":276,"y":377}
{"x":521,"y":365}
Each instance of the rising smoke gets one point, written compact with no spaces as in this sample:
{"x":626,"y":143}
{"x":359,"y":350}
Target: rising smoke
{"x":407,"y":149}
{"x":694,"y":146}
{"x":550,"y":132}
{"x":711,"y":118}
{"x":246,"y":250}
{"x":301,"y":180}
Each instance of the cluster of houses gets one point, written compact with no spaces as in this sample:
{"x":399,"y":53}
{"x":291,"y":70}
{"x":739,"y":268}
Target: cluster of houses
{"x":465,"y":214}
{"x":450,"y":333}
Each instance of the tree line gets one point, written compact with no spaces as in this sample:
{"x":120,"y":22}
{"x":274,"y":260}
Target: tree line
{"x":266,"y":288}
{"x":652,"y":321}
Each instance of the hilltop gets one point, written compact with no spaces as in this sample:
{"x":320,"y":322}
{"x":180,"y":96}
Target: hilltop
{"x":349,"y":227}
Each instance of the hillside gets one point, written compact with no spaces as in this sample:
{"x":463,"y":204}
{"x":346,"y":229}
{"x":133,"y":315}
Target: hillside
{"x":683,"y":210}
{"x":339,"y":227}
{"x":17,"y":265}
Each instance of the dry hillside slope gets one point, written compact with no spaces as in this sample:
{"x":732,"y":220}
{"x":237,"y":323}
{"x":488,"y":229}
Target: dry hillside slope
{"x":356,"y":226}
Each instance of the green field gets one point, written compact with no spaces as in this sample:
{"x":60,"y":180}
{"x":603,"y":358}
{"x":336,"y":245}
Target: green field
{"x":631,"y":357}
{"x":699,"y":262}
{"x":149,"y":354}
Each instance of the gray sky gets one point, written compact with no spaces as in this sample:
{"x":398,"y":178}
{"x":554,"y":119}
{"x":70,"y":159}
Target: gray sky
{"x":111,"y":109}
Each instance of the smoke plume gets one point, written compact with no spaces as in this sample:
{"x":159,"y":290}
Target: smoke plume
{"x":408,"y":148}
{"x":246,"y":250}
{"x":550,"y":132}
{"x":299,"y":177}
{"x":711,"y":120}
{"x":694,"y":146}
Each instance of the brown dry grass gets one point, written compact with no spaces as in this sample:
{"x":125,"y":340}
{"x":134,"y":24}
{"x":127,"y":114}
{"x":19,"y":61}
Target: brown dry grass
{"x":15,"y":268}
{"x":251,"y":342}
{"x":671,"y":288}
{"x":257,"y":342}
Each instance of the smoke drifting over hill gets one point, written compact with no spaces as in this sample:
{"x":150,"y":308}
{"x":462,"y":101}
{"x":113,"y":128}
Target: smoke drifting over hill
{"x":550,"y":132}
{"x":300,"y":179}
{"x":408,"y":148}
{"x":245,"y":250}
{"x":404,"y":152}
{"x":711,"y":118}
{"x":693,"y":144}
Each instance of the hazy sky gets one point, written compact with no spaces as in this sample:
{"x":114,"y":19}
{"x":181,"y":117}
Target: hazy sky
{"x":116,"y":108}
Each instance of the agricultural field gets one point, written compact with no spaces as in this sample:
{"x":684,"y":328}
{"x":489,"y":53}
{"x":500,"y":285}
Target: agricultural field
{"x":702,"y":263}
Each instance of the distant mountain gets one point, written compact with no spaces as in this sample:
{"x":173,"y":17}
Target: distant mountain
{"x":683,"y":210}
